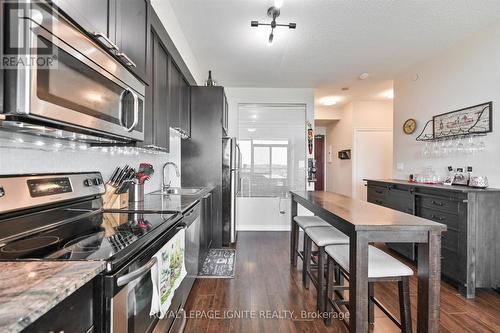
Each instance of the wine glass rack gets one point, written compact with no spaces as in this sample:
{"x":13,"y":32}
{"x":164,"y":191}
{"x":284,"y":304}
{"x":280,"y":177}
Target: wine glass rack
{"x":476,"y":129}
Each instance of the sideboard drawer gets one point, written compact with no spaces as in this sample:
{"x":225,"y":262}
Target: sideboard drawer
{"x":440,"y":204}
{"x":452,"y":221}
{"x":377,"y":192}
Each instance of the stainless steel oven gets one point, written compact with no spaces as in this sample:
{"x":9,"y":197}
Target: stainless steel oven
{"x":129,"y":291}
{"x":84,"y":89}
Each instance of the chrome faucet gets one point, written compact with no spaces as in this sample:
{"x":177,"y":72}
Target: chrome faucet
{"x":178,"y":174}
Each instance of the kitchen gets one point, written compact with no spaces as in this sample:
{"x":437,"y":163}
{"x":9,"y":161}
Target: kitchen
{"x":125,"y":170}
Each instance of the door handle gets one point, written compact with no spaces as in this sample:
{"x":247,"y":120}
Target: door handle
{"x":127,"y":278}
{"x":111,"y":45}
{"x":437,"y":203}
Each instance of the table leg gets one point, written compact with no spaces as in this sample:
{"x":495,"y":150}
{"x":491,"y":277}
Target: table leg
{"x":293,"y":246}
{"x":358,"y":283}
{"x":429,"y":283}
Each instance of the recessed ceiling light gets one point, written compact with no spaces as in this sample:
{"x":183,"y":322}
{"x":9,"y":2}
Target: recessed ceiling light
{"x":389,"y":94}
{"x":330,"y":100}
{"x":251,"y":129}
{"x":254,"y":116}
{"x":364,"y":76}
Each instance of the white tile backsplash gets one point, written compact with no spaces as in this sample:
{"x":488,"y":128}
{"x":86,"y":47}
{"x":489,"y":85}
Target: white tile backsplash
{"x":39,"y":159}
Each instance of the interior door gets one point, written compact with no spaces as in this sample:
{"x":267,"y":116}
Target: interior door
{"x":372,"y":158}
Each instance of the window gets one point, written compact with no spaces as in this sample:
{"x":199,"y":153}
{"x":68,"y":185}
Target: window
{"x":272,"y":144}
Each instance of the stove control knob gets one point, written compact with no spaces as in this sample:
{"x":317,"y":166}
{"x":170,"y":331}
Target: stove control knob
{"x":87,"y":182}
{"x":95,"y":181}
{"x":2,"y":191}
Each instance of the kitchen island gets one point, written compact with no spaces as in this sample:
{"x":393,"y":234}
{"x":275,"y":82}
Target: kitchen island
{"x":366,"y":223}
{"x":29,"y":289}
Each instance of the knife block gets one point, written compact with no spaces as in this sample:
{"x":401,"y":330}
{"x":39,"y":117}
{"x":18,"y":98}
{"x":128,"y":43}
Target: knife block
{"x":111,"y":200}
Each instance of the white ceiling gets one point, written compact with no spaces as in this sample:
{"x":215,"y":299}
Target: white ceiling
{"x":335,"y":40}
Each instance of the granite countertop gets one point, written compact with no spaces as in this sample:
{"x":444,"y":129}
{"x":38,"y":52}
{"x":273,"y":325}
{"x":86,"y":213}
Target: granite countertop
{"x":459,"y":188}
{"x":155,"y":203}
{"x":29,"y":289}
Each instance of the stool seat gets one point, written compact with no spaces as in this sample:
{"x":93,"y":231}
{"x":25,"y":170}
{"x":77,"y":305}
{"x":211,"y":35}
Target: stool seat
{"x":310,"y":221}
{"x":322,"y":236}
{"x":380,"y":264}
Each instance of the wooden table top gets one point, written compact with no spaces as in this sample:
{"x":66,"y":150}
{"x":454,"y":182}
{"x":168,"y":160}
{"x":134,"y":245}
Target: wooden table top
{"x":364,"y":215}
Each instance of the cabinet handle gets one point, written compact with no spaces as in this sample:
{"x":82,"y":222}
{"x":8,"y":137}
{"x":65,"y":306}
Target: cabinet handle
{"x":111,"y":45}
{"x":437,"y":203}
{"x":439,"y":218}
{"x":379,"y":192}
{"x":127,"y":59}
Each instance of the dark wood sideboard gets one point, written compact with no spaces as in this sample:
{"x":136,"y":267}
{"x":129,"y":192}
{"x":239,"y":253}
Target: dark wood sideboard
{"x":470,"y":246}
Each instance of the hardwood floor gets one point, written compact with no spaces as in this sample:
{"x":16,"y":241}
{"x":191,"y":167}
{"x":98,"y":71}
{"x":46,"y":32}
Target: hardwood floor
{"x":265,"y":281}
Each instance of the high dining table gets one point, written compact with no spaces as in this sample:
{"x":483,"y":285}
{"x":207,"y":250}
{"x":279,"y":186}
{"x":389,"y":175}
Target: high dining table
{"x":366,"y":223}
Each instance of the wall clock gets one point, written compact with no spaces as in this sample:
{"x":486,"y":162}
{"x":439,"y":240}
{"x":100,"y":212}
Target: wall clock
{"x":410,"y":126}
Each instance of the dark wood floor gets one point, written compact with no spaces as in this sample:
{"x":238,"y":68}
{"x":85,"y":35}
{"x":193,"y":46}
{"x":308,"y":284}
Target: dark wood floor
{"x":265,"y":281}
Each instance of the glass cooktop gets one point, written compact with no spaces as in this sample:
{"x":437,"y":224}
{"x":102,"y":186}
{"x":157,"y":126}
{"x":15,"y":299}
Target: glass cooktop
{"x":95,"y":236}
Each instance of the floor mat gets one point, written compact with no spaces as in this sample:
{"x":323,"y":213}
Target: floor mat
{"x":218,"y":263}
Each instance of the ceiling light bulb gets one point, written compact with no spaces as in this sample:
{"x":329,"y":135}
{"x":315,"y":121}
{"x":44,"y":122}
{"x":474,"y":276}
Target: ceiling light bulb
{"x":271,"y":38}
{"x":278,"y":3}
{"x":251,"y":130}
{"x":327,"y":101}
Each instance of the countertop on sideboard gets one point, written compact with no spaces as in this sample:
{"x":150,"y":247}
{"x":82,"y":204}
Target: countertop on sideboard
{"x":29,"y":289}
{"x":458,"y":188}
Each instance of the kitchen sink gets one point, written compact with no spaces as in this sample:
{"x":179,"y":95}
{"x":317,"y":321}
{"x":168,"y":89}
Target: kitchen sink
{"x":178,"y":191}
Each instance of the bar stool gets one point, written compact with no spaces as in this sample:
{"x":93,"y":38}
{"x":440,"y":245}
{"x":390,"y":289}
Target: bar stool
{"x":302,"y":222}
{"x":381,"y":267}
{"x":321,"y":237}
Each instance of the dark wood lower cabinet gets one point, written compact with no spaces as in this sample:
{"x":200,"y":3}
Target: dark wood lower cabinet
{"x":470,"y":252}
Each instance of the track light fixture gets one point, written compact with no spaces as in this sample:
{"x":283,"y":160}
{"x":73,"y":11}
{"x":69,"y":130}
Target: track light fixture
{"x":273,"y":12}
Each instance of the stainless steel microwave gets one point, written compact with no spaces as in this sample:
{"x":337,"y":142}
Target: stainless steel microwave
{"x":83,"y":89}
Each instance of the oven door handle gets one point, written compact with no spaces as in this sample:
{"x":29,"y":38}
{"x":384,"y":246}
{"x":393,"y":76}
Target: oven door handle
{"x":136,"y":109}
{"x":127,"y":278}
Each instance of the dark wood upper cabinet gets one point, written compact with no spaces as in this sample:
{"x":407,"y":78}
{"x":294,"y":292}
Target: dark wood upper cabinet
{"x":91,"y":15}
{"x":121,"y":26}
{"x":185,"y":107}
{"x":180,"y":101}
{"x":132,"y":21}
{"x":174,"y":95}
{"x":160,"y":96}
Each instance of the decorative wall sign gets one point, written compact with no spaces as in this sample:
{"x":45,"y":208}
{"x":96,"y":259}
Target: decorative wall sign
{"x":472,"y":120}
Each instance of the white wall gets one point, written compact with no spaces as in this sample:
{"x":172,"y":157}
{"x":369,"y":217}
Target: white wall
{"x":44,"y":159}
{"x":465,"y":75}
{"x":167,"y":16}
{"x":339,"y":135}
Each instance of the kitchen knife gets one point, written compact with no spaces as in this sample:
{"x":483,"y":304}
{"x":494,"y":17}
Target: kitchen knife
{"x":113,"y":175}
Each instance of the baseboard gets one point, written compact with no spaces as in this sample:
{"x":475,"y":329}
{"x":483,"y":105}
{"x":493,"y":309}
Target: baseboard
{"x":263,"y":227}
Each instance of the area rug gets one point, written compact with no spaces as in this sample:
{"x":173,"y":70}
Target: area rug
{"x":219,"y":264}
